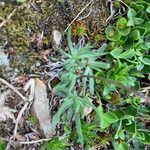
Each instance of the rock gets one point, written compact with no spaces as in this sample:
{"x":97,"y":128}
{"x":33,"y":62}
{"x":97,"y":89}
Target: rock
{"x":4,"y":61}
{"x":41,"y":108}
{"x":57,"y":39}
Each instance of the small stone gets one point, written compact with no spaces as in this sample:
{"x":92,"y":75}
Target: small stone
{"x":4,"y":61}
{"x":2,"y":4}
{"x":57,"y":39}
{"x":41,"y":108}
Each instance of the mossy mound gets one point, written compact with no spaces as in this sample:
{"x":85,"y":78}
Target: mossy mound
{"x":33,"y":18}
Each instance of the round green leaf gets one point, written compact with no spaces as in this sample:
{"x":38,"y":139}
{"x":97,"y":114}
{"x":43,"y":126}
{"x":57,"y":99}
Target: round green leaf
{"x":145,"y":60}
{"x":130,"y":110}
{"x":127,"y":54}
{"x":135,"y":35}
{"x":130,"y":22}
{"x":131,"y":13}
{"x":107,"y":119}
{"x":119,"y":113}
{"x":116,"y":52}
{"x":148,"y":9}
{"x":141,"y":30}
{"x":121,"y":23}
{"x":122,"y":146}
{"x":121,"y":134}
{"x":130,"y":128}
{"x":136,"y":6}
{"x":144,"y":136}
{"x":112,"y":33}
{"x":138,"y":21}
{"x":125,"y":31}
{"x":111,"y":46}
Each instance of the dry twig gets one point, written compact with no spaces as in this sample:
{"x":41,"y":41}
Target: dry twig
{"x":8,"y":18}
{"x":86,"y":15}
{"x":30,"y":84}
{"x":78,"y":15}
{"x":18,"y":118}
{"x":112,"y":11}
{"x":145,"y":90}
{"x":31,"y":142}
{"x":13,"y":88}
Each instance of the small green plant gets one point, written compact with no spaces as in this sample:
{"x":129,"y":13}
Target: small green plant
{"x":2,"y":145}
{"x":98,"y":37}
{"x":81,"y":61}
{"x":31,"y":118}
{"x":121,"y":25}
{"x":112,"y":33}
{"x":130,"y":49}
{"x":55,"y":144}
{"x":79,"y":29}
{"x":98,"y":88}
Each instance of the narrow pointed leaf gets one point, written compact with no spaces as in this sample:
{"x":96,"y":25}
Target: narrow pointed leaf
{"x":66,"y":104}
{"x":91,"y":82}
{"x":79,"y":128}
{"x":70,"y":42}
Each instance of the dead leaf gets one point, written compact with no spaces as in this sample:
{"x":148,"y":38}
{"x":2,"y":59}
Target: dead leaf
{"x":39,"y":40}
{"x":88,"y":109}
{"x":45,"y":54}
{"x":20,"y":138}
{"x":41,"y":108}
{"x":5,"y":112}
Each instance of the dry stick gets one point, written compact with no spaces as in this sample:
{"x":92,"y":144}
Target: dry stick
{"x":24,"y":99}
{"x":124,"y":3}
{"x":112,"y":11}
{"x":31,"y":85}
{"x":146,"y":91}
{"x":86,"y":15}
{"x":118,"y":84}
{"x":8,"y":18}
{"x":78,"y":15}
{"x":29,"y":142}
{"x":25,"y":142}
{"x":23,"y":108}
{"x":13,"y":88}
{"x":18,"y":118}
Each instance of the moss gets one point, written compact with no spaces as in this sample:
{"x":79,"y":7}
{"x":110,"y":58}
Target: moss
{"x":115,"y":98}
{"x":79,"y":29}
{"x":35,"y":17}
{"x":17,"y":32}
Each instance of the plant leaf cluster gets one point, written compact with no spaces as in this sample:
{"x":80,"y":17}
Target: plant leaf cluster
{"x":129,"y":45}
{"x":123,"y":60}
